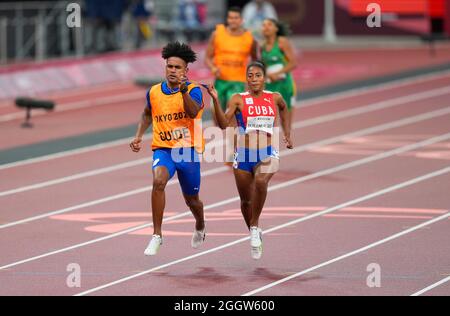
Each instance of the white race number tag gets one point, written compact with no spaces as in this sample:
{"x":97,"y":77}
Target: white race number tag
{"x":261,"y":123}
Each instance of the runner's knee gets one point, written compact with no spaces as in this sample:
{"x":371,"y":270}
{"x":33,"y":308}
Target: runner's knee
{"x":159,"y":184}
{"x":194,"y":203}
{"x":261,"y":183}
{"x":245,"y":204}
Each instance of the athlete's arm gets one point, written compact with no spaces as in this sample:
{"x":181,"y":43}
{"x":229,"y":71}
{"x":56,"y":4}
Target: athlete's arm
{"x":223,"y":119}
{"x":284,"y":114}
{"x":209,"y":58}
{"x":191,"y":106}
{"x":146,"y":121}
{"x":255,"y":51}
{"x":288,"y":51}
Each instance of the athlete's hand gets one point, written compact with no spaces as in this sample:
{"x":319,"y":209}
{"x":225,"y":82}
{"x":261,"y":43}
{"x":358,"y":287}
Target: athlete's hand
{"x":288,"y":141}
{"x":183,"y":82}
{"x":274,"y":77}
{"x":136,"y":145}
{"x":212,"y":91}
{"x":216,"y":72}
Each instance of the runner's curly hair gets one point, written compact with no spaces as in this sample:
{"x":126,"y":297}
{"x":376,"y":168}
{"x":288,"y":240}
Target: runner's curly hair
{"x":180,"y":50}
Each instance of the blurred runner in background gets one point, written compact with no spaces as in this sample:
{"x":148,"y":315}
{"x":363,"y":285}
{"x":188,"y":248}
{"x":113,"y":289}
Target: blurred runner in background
{"x":229,"y":50}
{"x":279,"y":57}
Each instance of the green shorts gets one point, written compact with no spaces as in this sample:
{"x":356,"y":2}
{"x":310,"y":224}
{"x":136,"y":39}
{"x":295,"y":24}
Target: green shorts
{"x":286,"y":88}
{"x":226,"y":89}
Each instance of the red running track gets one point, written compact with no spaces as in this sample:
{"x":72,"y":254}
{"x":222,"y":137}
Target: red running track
{"x":115,"y":105}
{"x":90,"y":207}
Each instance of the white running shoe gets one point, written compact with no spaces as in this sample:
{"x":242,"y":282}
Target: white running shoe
{"x":153,"y":246}
{"x":256,"y":242}
{"x":198,"y":238}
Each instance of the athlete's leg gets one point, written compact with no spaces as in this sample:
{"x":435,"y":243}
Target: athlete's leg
{"x":160,"y":179}
{"x":189,"y":175}
{"x":196,"y":206}
{"x":245,"y":185}
{"x":263,"y":174}
{"x":291,"y":118}
{"x":289,"y":98}
{"x":234,"y":88}
{"x":221,"y":87}
{"x":163,"y":171}
{"x":292,"y":100}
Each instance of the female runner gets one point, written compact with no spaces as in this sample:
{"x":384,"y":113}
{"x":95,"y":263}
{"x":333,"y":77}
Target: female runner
{"x":256,"y":159}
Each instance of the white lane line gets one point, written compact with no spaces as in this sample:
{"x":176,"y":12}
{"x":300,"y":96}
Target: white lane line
{"x":360,"y":250}
{"x":94,"y":241}
{"x":104,"y":200}
{"x":72,"y":152}
{"x":236,"y":199}
{"x":307,"y":123}
{"x":376,"y":106}
{"x":311,"y":102}
{"x":356,"y":91}
{"x":429,"y":288}
{"x":67,"y":153}
{"x":379,"y":87}
{"x":371,"y":130}
{"x":329,"y":210}
{"x":90,"y":173}
{"x":77,"y":176}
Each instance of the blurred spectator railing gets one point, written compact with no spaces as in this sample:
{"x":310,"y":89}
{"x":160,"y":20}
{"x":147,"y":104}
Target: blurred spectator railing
{"x":39,"y":30}
{"x":188,"y":19}
{"x":24,"y":29}
{"x":3,"y":40}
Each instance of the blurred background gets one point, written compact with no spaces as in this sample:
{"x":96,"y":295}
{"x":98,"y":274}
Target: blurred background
{"x":37,"y":30}
{"x":106,"y":63}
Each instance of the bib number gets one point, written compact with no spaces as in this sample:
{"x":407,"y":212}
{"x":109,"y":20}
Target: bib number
{"x":261,"y":123}
{"x":276,"y":68}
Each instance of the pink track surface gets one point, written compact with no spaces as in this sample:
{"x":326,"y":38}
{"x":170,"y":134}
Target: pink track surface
{"x":111,"y":106}
{"x":76,"y":211}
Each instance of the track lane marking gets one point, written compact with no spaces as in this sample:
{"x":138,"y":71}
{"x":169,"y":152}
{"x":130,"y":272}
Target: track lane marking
{"x":311,"y":102}
{"x":288,"y":224}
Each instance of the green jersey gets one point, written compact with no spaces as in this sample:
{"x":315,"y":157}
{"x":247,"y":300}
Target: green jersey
{"x":275,"y":60}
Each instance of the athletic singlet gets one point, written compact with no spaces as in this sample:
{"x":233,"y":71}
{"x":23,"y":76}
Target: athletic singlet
{"x":232,"y":53}
{"x":275,"y":60}
{"x":258,"y":114}
{"x":172,"y":127}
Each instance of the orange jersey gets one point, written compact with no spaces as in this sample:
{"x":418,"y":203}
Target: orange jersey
{"x":232,"y":53}
{"x":172,"y":127}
